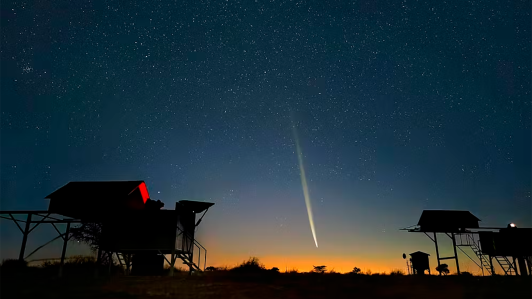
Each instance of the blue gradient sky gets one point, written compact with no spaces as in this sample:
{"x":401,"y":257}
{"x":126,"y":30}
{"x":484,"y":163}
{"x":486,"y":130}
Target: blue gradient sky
{"x":399,"y":107}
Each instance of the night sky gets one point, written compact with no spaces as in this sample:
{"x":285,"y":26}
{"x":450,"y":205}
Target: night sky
{"x":399,"y":106}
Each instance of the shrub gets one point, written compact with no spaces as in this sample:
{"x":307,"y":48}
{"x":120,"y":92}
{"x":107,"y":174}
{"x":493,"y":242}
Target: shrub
{"x":396,"y":272}
{"x":356,"y":271}
{"x":13,"y":264}
{"x":443,"y":269}
{"x":251,"y":265}
{"x":319,"y":269}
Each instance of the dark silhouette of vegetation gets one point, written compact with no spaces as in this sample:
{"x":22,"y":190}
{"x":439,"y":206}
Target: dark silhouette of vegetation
{"x":356,"y":271}
{"x":210,"y":268}
{"x":319,"y":269}
{"x":274,"y":269}
{"x":87,"y":233}
{"x":443,"y":269}
{"x":396,"y":272}
{"x":250,"y":266}
{"x":465,"y":273}
{"x":13,"y":266}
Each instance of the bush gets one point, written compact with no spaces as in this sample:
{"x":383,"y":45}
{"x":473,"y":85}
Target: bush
{"x":13,"y":264}
{"x":319,"y":269}
{"x":397,"y":272}
{"x":356,"y":271}
{"x":251,"y":265}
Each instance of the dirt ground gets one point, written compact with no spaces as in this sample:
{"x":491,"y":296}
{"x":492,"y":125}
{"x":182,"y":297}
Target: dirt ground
{"x":229,"y":285}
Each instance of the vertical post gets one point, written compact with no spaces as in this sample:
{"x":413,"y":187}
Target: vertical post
{"x":491,"y":266}
{"x":128,"y":263}
{"x":110,"y":255}
{"x":437,"y":251}
{"x":25,"y":238}
{"x":98,"y":262}
{"x":455,"y":254}
{"x":65,"y":241}
{"x":172,"y":261}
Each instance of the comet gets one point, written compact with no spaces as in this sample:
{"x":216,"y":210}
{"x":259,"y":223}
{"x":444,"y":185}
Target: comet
{"x":304,"y":184}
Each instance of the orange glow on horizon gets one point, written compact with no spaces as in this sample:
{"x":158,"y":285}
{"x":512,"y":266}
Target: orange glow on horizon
{"x":305,"y":264}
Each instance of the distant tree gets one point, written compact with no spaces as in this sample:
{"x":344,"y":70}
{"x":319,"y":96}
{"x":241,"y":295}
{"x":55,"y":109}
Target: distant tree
{"x":251,"y":265}
{"x":397,"y":272}
{"x":88,"y":233}
{"x":356,"y":270}
{"x":319,"y":269}
{"x":275,"y":269}
{"x":443,"y":269}
{"x":465,"y":273}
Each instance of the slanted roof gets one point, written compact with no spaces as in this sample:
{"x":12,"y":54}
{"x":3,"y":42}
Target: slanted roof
{"x":81,"y":199}
{"x":111,"y":189}
{"x":196,"y":206}
{"x":419,"y":253}
{"x":446,"y":220}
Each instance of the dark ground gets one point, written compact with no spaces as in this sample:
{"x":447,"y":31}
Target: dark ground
{"x":271,"y":285}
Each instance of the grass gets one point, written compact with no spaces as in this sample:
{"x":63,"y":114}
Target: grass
{"x":230,"y":284}
{"x":251,"y":280}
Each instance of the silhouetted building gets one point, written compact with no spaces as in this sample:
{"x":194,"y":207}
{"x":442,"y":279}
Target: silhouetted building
{"x":420,"y":262}
{"x":510,"y":247}
{"x":447,"y":221}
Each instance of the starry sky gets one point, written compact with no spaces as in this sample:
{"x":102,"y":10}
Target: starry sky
{"x":399,"y":106}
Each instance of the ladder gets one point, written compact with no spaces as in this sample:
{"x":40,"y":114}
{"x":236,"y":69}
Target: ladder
{"x":507,"y":266}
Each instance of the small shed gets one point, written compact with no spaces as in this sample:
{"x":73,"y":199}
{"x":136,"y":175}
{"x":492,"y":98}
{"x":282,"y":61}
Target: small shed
{"x":446,"y":221}
{"x":420,"y":262}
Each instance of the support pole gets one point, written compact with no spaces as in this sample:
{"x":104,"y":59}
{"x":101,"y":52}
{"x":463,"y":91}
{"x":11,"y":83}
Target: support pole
{"x":455,"y":254}
{"x":514,"y":265}
{"x":437,"y":251}
{"x":25,"y":238}
{"x":491,"y":266}
{"x":110,"y":255}
{"x":128,"y":264}
{"x":98,"y":262}
{"x":172,"y":261}
{"x":65,"y":241}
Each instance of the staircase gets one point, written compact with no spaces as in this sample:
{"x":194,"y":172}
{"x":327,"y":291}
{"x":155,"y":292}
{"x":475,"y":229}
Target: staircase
{"x":478,"y":252}
{"x":507,"y":266}
{"x":475,"y":246}
{"x":188,"y":257}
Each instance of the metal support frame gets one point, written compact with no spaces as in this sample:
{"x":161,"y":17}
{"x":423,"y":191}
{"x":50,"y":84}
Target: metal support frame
{"x":486,"y":262}
{"x":25,"y":233}
{"x":45,"y":217}
{"x":66,"y":237}
{"x":28,"y":228}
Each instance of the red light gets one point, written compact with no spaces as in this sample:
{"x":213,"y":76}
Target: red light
{"x":144,"y":192}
